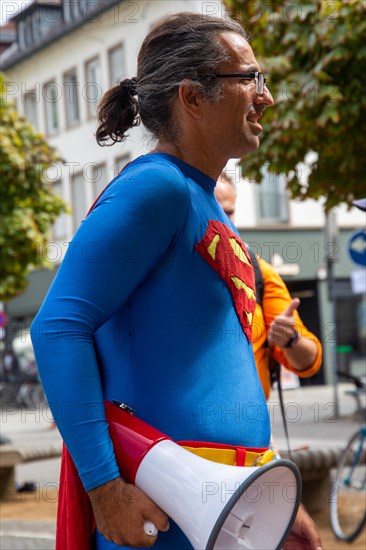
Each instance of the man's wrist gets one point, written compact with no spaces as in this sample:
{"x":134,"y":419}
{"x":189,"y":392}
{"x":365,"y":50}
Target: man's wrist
{"x":101,"y":490}
{"x":293,"y":340}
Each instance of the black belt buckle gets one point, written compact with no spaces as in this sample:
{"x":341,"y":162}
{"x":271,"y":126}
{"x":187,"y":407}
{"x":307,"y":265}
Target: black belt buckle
{"x":123,"y":406}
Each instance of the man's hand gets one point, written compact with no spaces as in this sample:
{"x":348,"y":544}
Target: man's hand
{"x":120,"y":510}
{"x":304,"y":535}
{"x":283,"y":326}
{"x":303,"y":354}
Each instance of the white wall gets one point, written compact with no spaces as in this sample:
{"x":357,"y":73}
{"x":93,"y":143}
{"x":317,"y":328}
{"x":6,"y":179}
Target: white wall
{"x":308,"y":214}
{"x":350,"y":217}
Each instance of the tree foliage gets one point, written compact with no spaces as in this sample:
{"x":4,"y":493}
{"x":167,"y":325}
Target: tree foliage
{"x":315,"y":54}
{"x":28,"y":205}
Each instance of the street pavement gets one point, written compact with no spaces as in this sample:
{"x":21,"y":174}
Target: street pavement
{"x":311,"y":416}
{"x":19,"y":535}
{"x":310,"y":413}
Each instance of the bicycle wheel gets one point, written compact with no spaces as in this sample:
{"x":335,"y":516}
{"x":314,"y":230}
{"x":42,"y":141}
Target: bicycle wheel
{"x":31,"y":394}
{"x":8,"y":394}
{"x":348,"y":504}
{"x":38,"y":395}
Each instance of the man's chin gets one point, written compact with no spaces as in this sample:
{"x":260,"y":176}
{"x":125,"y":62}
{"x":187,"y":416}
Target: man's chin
{"x":251,"y":145}
{"x":247,"y":146}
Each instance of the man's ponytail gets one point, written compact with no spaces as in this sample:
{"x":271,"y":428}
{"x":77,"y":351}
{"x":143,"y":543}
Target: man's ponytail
{"x":117,"y":112}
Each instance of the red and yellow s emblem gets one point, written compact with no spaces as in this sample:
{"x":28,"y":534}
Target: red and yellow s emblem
{"x":227,"y":255}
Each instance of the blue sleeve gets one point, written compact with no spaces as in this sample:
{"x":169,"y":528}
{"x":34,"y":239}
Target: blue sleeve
{"x":142,"y":211}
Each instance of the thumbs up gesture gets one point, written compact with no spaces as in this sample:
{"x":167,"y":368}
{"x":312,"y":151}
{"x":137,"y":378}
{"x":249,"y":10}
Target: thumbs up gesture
{"x":283,"y":327}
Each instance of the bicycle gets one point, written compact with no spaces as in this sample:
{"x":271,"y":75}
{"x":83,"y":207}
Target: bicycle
{"x":348,"y":505}
{"x":22,"y":390}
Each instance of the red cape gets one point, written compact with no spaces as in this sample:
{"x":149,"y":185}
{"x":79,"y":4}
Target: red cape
{"x":75,"y":519}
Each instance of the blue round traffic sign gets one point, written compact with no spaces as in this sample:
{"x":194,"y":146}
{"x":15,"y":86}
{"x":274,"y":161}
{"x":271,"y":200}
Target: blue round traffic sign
{"x":357,"y":247}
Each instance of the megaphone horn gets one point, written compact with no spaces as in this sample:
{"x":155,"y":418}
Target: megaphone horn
{"x":218,"y":507}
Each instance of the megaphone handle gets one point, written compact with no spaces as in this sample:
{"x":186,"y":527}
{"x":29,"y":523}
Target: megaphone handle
{"x":150,"y":529}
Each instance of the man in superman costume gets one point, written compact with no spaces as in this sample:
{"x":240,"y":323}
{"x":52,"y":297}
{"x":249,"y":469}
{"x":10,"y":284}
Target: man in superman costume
{"x":152,"y":272}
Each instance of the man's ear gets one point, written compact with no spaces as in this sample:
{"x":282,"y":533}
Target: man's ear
{"x":190,"y":98}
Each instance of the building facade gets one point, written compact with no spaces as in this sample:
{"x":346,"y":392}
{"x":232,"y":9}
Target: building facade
{"x":66,"y":54}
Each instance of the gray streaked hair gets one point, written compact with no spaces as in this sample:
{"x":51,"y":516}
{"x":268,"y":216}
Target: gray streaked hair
{"x":182,"y":46}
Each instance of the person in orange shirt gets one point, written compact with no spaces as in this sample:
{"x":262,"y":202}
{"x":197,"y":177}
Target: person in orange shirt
{"x":290,"y":342}
{"x":278,"y":330}
{"x":277,"y":326}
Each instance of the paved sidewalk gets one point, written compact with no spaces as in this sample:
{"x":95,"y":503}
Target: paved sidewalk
{"x":310,"y":414}
{"x":21,"y":535}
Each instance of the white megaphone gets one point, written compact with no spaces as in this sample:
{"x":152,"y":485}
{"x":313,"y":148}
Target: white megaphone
{"x":218,"y":507}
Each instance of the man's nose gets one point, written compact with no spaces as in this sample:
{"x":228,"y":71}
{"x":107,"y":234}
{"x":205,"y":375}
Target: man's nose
{"x":265,"y":98}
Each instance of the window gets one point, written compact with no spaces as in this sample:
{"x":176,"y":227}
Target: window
{"x":71,"y":98}
{"x":51,"y":96}
{"x":116,"y":64}
{"x":30,"y":108}
{"x":99,"y":179}
{"x":74,"y":9}
{"x":39,"y":19}
{"x":21,"y":35}
{"x":71,"y":10}
{"x":93,"y":85}
{"x":272,"y":199}
{"x":78,"y":194}
{"x":59,"y":227}
{"x":87,"y":7}
{"x":28,"y":31}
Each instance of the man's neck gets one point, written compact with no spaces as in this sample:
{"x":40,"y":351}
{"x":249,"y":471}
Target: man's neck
{"x":193,"y":156}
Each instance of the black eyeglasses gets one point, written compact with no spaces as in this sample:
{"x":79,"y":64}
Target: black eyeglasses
{"x":260,"y":79}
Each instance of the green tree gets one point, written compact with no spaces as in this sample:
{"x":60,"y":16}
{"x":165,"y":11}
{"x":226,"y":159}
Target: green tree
{"x":28,"y":205}
{"x":315,"y":53}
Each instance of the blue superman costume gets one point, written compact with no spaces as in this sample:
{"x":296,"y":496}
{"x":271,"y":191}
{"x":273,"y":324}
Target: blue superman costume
{"x":152,"y":306}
